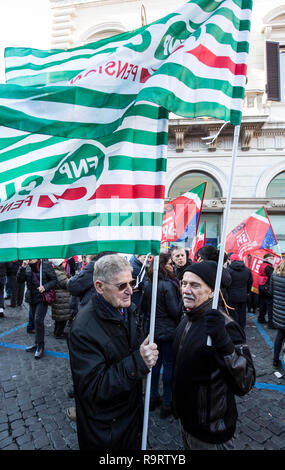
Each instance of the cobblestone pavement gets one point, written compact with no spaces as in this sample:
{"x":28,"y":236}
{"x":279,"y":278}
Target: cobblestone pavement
{"x":34,"y":399}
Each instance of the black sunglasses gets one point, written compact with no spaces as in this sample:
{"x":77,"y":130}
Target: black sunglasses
{"x":124,"y":285}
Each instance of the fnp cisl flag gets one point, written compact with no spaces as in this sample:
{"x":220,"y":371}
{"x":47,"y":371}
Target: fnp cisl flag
{"x":83,"y":132}
{"x":252,"y":234}
{"x":182,"y":215}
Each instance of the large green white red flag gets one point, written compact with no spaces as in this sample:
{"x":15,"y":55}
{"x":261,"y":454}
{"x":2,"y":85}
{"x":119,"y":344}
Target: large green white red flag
{"x":83,"y":132}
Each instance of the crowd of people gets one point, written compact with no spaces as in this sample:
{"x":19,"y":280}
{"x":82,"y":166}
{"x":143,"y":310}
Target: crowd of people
{"x":101,"y":304}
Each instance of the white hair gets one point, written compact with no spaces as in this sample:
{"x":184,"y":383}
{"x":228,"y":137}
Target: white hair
{"x":108,"y":266}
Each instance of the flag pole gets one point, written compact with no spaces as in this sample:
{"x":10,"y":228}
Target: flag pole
{"x":151,"y":337}
{"x":225,"y":225}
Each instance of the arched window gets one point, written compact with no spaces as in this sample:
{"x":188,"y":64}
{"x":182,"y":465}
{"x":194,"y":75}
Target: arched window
{"x":189,"y":180}
{"x":276,"y":187}
{"x":102,"y":31}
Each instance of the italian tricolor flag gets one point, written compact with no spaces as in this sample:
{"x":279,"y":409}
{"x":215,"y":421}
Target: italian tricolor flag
{"x":199,"y":241}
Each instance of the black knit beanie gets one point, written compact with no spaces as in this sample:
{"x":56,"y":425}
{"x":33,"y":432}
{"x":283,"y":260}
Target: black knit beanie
{"x":206,"y":270}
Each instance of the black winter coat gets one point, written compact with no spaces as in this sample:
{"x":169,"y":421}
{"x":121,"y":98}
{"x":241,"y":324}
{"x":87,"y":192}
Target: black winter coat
{"x":277,"y":287}
{"x":48,"y":280}
{"x":107,"y":371}
{"x":168,"y":308}
{"x":82,"y":285}
{"x":12,"y":267}
{"x":205,"y":380}
{"x":3,"y":270}
{"x":241,"y":282}
{"x":179,"y":270}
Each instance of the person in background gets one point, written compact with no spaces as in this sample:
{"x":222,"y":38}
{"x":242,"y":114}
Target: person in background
{"x":109,"y":358}
{"x":207,"y":378}
{"x":240,"y":288}
{"x":16,"y":289}
{"x":210,"y":253}
{"x":277,"y":289}
{"x":70,"y":266}
{"x":2,"y":287}
{"x":29,"y":272}
{"x":180,"y":261}
{"x":167,"y":317}
{"x":265,"y":298}
{"x":60,"y":309}
{"x":139,"y":274}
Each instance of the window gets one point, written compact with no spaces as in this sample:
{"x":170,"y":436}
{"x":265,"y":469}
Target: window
{"x":278,"y":225}
{"x":276,"y":187}
{"x":192,"y":179}
{"x":273,"y":63}
{"x":185,"y":183}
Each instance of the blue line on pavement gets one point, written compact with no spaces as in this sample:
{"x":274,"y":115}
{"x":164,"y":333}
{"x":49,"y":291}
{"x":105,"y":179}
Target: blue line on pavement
{"x":13,"y":329}
{"x":47,"y":352}
{"x":279,"y":388}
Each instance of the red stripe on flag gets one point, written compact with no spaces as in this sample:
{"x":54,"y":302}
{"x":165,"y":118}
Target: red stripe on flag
{"x":207,"y":57}
{"x":128,"y":191}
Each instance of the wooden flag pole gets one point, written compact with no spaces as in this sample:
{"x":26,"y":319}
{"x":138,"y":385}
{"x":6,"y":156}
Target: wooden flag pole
{"x":151,"y":337}
{"x":225,"y":225}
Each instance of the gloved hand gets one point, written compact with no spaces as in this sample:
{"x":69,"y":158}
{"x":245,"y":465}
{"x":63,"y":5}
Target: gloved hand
{"x":215,"y":328}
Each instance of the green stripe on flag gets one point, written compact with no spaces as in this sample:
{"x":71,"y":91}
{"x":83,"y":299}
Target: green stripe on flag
{"x":120,"y":162}
{"x":59,"y":224}
{"x":182,"y":108}
{"x":194,"y":82}
{"x":226,"y":38}
{"x":120,"y":246}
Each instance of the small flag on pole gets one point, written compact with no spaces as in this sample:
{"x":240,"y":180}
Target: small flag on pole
{"x":199,"y":241}
{"x":182,"y":215}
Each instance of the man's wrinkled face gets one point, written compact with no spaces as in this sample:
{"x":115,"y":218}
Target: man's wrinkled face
{"x":194,"y":291}
{"x":179,"y":257}
{"x":118,"y":291}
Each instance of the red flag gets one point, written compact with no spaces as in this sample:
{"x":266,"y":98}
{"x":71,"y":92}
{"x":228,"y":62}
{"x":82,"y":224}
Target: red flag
{"x":182,"y":215}
{"x":253,"y":260}
{"x":252,"y":234}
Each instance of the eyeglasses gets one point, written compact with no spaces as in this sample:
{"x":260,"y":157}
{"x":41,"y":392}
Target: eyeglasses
{"x":122,"y":286}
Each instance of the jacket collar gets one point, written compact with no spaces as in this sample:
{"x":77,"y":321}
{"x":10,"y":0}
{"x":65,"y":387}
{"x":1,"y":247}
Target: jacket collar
{"x":198,"y":312}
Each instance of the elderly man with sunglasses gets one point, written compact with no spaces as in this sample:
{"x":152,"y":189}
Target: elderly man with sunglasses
{"x":109,"y":358}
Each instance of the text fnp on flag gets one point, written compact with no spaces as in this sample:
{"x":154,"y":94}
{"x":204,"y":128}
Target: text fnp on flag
{"x":252,"y":234}
{"x":83,"y":133}
{"x":182,"y":215}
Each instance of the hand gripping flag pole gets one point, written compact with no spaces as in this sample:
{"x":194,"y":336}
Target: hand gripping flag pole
{"x":225,"y":224}
{"x":151,"y":337}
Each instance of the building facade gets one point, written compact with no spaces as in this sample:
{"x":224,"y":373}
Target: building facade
{"x":259,"y":178}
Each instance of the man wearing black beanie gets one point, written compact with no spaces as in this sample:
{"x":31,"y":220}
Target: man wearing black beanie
{"x":207,"y":378}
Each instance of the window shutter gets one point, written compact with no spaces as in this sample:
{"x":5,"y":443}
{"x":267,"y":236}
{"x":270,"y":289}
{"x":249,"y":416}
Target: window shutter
{"x":273,"y":70}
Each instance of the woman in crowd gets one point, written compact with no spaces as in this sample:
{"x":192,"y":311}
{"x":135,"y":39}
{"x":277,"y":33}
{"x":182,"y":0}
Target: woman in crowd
{"x":277,"y":288}
{"x":168,"y":314}
{"x":31,"y":271}
{"x":60,"y":309}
